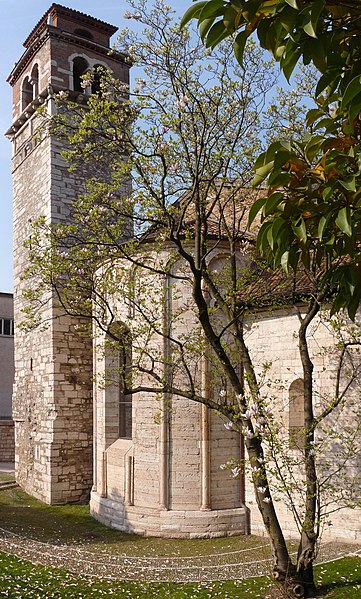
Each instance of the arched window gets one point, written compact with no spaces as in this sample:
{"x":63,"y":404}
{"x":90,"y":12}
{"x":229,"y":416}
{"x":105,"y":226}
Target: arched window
{"x":296,"y":415}
{"x":26,"y":93}
{"x":84,"y":33}
{"x":80,"y":67}
{"x":118,"y":377}
{"x":34,"y":81}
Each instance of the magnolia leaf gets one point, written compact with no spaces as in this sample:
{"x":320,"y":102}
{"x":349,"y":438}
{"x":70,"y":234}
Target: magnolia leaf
{"x":204,"y":27}
{"x":292,"y":3}
{"x":313,"y":146}
{"x":255,"y":208}
{"x":321,"y":226}
{"x":212,"y":9}
{"x":282,"y":156}
{"x":328,"y":124}
{"x":216,"y":34}
{"x":275,"y":36}
{"x":355,"y":108}
{"x":290,"y":58}
{"x":338,"y":303}
{"x":351,"y":91}
{"x":230,"y":18}
{"x":324,"y":82}
{"x":300,"y":230}
{"x":343,"y":221}
{"x":271,"y":152}
{"x":313,"y":115}
{"x":287,"y":18}
{"x":318,"y":53}
{"x":270,"y":238}
{"x":262,"y":239}
{"x":323,"y":222}
{"x":316,"y":11}
{"x":239,"y":46}
{"x":354,"y":302}
{"x":285,"y":261}
{"x":193,"y":12}
{"x":349,"y":183}
{"x":261,"y":173}
{"x":278,"y":225}
{"x":272,"y":203}
{"x":309,"y":28}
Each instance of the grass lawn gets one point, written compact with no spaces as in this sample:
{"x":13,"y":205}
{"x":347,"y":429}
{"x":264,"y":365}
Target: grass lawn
{"x":72,"y":526}
{"x":4,"y":477}
{"x":23,"y":514}
{"x":19,"y":578}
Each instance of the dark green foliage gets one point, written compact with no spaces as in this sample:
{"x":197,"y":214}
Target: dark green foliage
{"x":313,"y":210}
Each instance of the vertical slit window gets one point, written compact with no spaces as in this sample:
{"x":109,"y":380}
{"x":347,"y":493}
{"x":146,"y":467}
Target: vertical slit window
{"x":125,"y":382}
{"x":35,"y":81}
{"x":296,"y":415}
{"x":26,"y":93}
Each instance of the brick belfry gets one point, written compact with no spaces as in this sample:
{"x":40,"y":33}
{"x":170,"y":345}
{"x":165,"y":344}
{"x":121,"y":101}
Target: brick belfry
{"x":52,"y":400}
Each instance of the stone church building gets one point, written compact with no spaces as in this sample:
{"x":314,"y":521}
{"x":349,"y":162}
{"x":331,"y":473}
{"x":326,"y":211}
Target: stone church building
{"x":74,"y":442}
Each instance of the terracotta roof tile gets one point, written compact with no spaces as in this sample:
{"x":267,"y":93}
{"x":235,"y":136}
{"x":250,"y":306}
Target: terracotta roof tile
{"x":111,"y":29}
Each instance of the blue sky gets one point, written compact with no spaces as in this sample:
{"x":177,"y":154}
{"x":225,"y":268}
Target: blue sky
{"x":18,"y":17}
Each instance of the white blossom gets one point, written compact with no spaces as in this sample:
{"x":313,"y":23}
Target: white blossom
{"x":129,"y":15}
{"x":229,"y":426}
{"x":235,"y":471}
{"x":181,"y":102}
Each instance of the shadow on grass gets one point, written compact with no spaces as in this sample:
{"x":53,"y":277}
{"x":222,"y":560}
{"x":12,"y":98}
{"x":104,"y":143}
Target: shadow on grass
{"x":325,"y":590}
{"x":22,"y":514}
{"x":72,"y":524}
{"x":341,"y":578}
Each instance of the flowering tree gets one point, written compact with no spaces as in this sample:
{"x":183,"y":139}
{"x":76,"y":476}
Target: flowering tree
{"x":186,"y":137}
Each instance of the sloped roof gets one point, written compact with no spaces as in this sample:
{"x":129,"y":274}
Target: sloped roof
{"x":264,"y":286}
{"x":78,"y":16}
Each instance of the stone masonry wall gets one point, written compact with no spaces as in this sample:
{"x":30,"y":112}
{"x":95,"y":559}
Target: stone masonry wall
{"x":272,"y":338}
{"x":52,"y":403}
{"x":154,"y":483}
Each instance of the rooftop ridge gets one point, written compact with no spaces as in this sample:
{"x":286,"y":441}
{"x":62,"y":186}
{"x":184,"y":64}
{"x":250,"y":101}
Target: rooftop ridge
{"x":60,"y":9}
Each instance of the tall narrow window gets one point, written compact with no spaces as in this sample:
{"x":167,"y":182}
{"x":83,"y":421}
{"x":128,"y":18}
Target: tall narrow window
{"x":80,"y":67}
{"x":26,"y":93}
{"x":34,"y":80}
{"x":117,"y":380}
{"x":296,"y":415}
{"x":125,"y":382}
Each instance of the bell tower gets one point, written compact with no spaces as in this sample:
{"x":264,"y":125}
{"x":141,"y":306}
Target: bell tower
{"x":52,"y":401}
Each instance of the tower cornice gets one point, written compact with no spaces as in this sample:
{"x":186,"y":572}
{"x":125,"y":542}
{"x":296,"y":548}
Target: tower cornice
{"x":57,"y":10}
{"x":55,"y":32}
